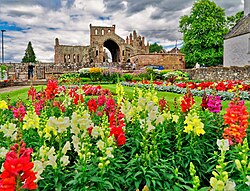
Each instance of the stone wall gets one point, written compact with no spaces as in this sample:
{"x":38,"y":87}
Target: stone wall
{"x":220,"y":73}
{"x":167,"y":60}
{"x":237,"y":51}
{"x":19,"y":71}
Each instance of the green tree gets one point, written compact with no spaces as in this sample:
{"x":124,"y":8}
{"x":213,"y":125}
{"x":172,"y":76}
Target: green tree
{"x":203,"y":32}
{"x":155,"y":48}
{"x":29,"y":54}
{"x":233,"y":19}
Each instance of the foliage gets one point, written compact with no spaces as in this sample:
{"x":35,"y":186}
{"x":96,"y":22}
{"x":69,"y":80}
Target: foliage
{"x":29,"y":54}
{"x":128,"y":77}
{"x":203,"y":32}
{"x":155,"y":48}
{"x":233,"y":19}
{"x":82,"y":143}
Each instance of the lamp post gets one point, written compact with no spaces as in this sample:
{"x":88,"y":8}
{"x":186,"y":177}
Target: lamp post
{"x":2,"y":46}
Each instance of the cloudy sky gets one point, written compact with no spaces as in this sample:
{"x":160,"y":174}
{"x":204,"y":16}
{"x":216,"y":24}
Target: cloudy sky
{"x":41,"y":21}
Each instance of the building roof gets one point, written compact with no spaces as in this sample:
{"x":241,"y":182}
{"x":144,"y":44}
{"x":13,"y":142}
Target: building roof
{"x":242,"y":27}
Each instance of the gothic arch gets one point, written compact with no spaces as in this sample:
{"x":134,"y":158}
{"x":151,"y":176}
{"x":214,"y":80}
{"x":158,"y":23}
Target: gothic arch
{"x":114,"y":49}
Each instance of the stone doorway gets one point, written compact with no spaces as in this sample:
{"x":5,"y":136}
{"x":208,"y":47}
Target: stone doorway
{"x":114,"y":49}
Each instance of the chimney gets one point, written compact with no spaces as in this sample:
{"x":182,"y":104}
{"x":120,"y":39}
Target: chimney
{"x":246,"y":7}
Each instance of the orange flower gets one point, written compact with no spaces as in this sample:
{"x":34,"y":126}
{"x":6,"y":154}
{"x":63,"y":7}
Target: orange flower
{"x":237,"y":118}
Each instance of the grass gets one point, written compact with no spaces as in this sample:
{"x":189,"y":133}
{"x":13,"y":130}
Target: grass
{"x":170,"y":97}
{"x":21,"y":94}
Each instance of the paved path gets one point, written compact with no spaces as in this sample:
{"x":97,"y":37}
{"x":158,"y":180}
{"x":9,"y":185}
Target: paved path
{"x":12,"y":88}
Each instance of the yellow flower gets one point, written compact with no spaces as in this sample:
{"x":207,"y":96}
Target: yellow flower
{"x":217,"y":185}
{"x":193,"y":124}
{"x":188,"y":128}
{"x":3,"y":105}
{"x":31,"y":120}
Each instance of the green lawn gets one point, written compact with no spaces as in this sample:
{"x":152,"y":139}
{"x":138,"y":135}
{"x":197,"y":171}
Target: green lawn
{"x":22,"y":94}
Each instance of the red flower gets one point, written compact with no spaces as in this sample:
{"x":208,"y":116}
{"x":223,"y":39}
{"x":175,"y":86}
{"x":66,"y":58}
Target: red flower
{"x":162,"y":104}
{"x":51,"y":89}
{"x":32,"y":93}
{"x":187,"y":102}
{"x":92,"y":105}
{"x":204,"y":101}
{"x":18,"y":169}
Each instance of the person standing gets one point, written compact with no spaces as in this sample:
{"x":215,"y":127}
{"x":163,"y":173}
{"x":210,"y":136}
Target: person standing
{"x":30,"y":71}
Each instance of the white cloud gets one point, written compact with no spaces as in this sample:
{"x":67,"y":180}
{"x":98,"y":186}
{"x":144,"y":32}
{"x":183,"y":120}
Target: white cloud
{"x":69,"y":21}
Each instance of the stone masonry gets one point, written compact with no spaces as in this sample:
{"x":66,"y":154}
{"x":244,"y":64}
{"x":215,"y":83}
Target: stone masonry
{"x":219,"y":73}
{"x":100,"y":37}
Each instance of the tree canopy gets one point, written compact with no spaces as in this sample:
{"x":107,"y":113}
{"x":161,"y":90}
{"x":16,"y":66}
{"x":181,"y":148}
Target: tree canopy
{"x":155,"y":48}
{"x":29,"y":54}
{"x":203,"y":32}
{"x":233,"y":19}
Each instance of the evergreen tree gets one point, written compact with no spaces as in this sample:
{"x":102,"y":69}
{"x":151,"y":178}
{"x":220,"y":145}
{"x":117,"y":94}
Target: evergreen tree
{"x":155,"y":48}
{"x":29,"y":54}
{"x":203,"y":31}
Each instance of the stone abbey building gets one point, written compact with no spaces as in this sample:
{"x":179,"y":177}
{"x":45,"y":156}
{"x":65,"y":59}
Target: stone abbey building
{"x":132,"y":49}
{"x":100,"y":37}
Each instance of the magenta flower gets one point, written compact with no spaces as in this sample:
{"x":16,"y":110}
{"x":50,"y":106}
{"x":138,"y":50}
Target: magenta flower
{"x":19,"y":111}
{"x":214,"y":104}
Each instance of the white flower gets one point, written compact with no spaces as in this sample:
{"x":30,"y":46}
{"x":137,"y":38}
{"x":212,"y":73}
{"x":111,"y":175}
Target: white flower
{"x":100,"y":145}
{"x":223,"y":144}
{"x":76,"y":141}
{"x":230,"y":186}
{"x":3,"y":152}
{"x":175,"y":118}
{"x":52,"y":161}
{"x":39,"y":168}
{"x":248,"y":180}
{"x":150,"y":105}
{"x":152,"y":114}
{"x":66,"y":147}
{"x":9,"y":130}
{"x":65,"y":160}
{"x":62,"y":124}
{"x":109,"y":152}
{"x":159,"y":119}
{"x":150,"y":126}
{"x":95,"y":131}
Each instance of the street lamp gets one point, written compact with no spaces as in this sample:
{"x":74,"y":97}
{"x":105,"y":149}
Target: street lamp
{"x":2,"y":46}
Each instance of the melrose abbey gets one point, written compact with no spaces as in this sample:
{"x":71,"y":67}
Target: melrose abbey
{"x":132,"y":49}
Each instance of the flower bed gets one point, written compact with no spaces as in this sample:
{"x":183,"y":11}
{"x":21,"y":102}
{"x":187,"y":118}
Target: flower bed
{"x":226,"y":90}
{"x":65,"y":140}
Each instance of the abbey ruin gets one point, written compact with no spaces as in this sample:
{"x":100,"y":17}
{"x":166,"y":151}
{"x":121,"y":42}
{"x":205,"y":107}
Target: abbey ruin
{"x":132,"y":49}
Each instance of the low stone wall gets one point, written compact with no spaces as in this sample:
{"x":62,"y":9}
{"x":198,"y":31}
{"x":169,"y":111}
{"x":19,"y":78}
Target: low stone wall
{"x":219,"y":73}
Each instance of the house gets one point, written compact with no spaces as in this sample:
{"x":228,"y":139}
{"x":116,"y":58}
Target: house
{"x":237,"y":41}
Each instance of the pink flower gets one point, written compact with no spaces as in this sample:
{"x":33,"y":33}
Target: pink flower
{"x":19,"y":111}
{"x":214,"y":104}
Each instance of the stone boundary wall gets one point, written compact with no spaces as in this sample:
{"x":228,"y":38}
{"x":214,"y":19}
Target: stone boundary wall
{"x":219,"y":73}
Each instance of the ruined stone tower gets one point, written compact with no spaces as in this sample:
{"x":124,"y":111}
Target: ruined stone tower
{"x":101,"y":36}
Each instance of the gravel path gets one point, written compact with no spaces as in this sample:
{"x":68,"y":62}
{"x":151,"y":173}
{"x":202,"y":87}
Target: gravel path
{"x":12,"y":88}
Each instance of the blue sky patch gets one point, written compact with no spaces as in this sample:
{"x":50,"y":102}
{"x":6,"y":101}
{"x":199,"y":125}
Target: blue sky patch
{"x":10,"y":27}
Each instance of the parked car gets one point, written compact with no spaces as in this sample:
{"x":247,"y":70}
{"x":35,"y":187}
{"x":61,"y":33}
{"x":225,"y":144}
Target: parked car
{"x":154,"y":67}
